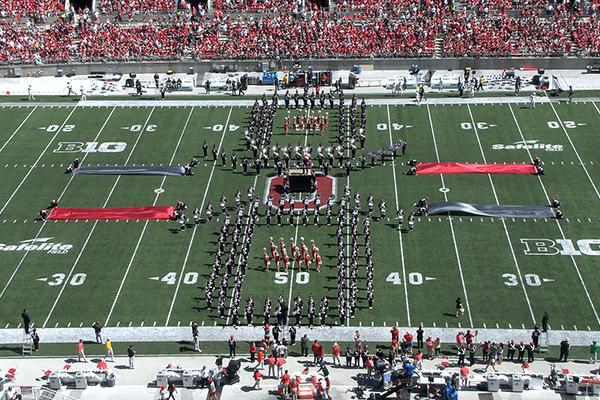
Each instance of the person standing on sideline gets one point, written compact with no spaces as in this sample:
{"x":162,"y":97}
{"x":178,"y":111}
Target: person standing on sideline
{"x":535,"y":337}
{"x":232,"y":345}
{"x":195,"y":329}
{"x":131,"y":355}
{"x":30,"y":93}
{"x":172,"y":391}
{"x":36,"y":340}
{"x":26,"y":320}
{"x":593,"y":351}
{"x":83,"y":95}
{"x":292,"y":332}
{"x":532,"y":101}
{"x":570,"y":93}
{"x":304,"y":346}
{"x":81,"y":351}
{"x":257,"y":378}
{"x":565,"y":346}
{"x":420,"y":337}
{"x":98,"y":331}
{"x":335,"y":354}
{"x":109,"y":350}
{"x":545,"y":319}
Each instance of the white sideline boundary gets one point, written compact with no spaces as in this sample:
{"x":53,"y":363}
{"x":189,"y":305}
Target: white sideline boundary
{"x":227,"y":102}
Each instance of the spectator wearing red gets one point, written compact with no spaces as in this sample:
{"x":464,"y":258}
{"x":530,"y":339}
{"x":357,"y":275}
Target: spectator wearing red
{"x":335,"y":354}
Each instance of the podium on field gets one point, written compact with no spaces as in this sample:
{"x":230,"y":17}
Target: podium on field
{"x":301,"y":180}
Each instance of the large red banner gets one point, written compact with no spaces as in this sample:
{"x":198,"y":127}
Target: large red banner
{"x":158,"y":212}
{"x":462,"y":168}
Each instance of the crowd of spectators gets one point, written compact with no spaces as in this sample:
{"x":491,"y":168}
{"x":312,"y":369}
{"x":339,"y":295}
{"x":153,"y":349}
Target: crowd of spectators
{"x":11,"y":8}
{"x":501,"y":35}
{"x":131,"y":7}
{"x":409,"y":31}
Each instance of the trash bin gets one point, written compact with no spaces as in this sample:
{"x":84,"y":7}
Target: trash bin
{"x":111,"y":379}
{"x":1,"y":384}
{"x":188,"y":379}
{"x":518,"y":383}
{"x":596,"y":389}
{"x":54,"y":381}
{"x":571,"y":384}
{"x":493,"y":383}
{"x":80,"y":381}
{"x":162,"y":379}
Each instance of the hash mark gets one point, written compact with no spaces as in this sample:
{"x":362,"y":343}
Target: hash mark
{"x":523,"y":326}
{"x":6,"y":327}
{"x":484,"y":325}
{"x":509,"y":326}
{"x":80,"y":324}
{"x":130,"y":323}
{"x":118,"y":323}
{"x":69,"y":324}
{"x":56,"y":325}
{"x":142,"y":324}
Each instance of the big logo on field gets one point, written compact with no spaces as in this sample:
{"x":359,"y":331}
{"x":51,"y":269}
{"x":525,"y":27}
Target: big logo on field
{"x":563,"y":247}
{"x":326,"y":186}
{"x":90,"y":147}
{"x":39,"y":244}
{"x":528,"y":145}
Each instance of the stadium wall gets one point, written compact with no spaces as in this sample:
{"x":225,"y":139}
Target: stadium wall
{"x":317,"y":64}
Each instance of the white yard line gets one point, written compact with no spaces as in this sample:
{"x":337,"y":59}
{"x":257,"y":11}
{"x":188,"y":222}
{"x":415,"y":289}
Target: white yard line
{"x":596,"y":107}
{"x":189,"y":248}
{"x":574,"y":148}
{"x":76,"y":262}
{"x":347,"y":255}
{"x":512,"y":250}
{"x":399,"y":233}
{"x":293,"y":269}
{"x":36,"y":161}
{"x":137,"y":246}
{"x":17,"y":130}
{"x":44,"y":223}
{"x":558,"y":223}
{"x":244,"y":238}
{"x":462,"y":278}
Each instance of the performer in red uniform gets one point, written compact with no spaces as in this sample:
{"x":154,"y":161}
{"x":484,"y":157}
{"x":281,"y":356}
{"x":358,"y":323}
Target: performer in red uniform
{"x":286,"y":261}
{"x":318,"y":262}
{"x":299,"y":260}
{"x":267,"y":259}
{"x":277,"y":259}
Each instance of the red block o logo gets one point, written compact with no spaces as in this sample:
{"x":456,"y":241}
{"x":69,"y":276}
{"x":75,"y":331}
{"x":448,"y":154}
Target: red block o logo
{"x":326,"y":186}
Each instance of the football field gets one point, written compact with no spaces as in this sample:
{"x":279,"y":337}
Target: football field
{"x":149,"y":273}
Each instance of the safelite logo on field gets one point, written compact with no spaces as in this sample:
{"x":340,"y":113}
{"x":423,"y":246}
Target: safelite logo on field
{"x":528,"y":145}
{"x":38,"y":244}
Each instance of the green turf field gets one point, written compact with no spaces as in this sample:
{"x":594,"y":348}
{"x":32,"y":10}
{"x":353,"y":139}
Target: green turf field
{"x":136,"y":272}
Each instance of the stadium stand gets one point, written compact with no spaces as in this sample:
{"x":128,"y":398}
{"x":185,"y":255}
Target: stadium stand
{"x":255,"y":29}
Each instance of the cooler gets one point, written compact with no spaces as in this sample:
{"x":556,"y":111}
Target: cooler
{"x":80,"y":381}
{"x":162,"y":379}
{"x":188,"y":379}
{"x":518,"y":383}
{"x":493,"y":382}
{"x":571,"y":384}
